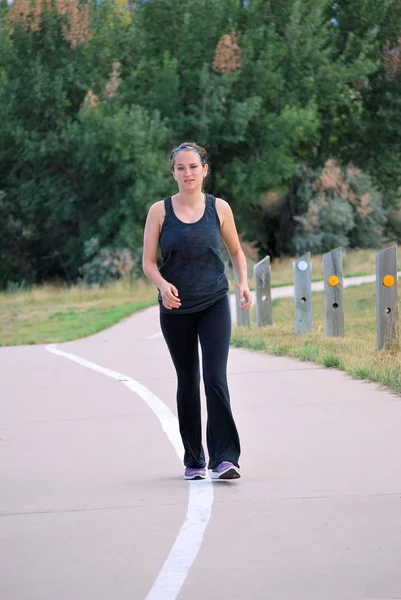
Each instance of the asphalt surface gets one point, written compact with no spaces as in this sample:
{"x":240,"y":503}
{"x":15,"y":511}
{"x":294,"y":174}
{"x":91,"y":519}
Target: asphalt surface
{"x":92,"y":497}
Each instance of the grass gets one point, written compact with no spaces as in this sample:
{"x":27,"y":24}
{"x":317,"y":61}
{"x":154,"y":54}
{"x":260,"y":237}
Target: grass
{"x":50,"y":314}
{"x":356,"y":353}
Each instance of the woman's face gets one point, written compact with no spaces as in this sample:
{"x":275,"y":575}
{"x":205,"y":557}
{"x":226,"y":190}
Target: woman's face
{"x":189,"y":171}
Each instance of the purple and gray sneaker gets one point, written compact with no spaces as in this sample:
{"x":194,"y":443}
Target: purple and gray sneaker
{"x":226,"y":470}
{"x":198,"y":473}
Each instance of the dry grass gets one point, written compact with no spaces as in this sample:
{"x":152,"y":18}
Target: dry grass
{"x":53,"y":314}
{"x":48,"y":314}
{"x":356,"y":353}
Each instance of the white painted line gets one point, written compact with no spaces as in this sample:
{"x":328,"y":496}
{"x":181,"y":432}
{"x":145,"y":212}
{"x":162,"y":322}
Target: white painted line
{"x":189,"y":540}
{"x":155,"y":335}
{"x":186,"y":546}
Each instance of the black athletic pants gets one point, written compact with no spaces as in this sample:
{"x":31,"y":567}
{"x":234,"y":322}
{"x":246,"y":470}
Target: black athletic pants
{"x":212,"y":327}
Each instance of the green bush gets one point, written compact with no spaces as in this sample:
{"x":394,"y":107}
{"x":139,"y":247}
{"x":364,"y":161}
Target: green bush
{"x":336,"y":207}
{"x":74,"y":162}
{"x":105,"y":265}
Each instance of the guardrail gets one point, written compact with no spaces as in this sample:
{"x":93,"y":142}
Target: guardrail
{"x":386,"y":296}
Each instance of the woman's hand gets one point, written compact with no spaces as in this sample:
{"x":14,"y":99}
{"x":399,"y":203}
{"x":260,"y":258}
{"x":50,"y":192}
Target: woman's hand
{"x":169,"y":294}
{"x":245,"y":294}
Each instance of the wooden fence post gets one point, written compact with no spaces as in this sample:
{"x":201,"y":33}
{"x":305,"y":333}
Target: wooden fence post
{"x":262,"y":272}
{"x":303,"y":294}
{"x":227,"y":270}
{"x":333,"y":293}
{"x":386,"y":298}
{"x":242,"y":315}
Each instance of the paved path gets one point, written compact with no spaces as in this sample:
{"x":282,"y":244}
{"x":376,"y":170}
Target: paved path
{"x":92,"y":501}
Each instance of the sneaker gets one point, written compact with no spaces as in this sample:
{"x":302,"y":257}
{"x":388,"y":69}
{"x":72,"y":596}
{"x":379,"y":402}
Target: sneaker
{"x":198,"y":473}
{"x":226,"y":470}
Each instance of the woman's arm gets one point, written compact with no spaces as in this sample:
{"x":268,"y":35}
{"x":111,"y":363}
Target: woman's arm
{"x":231,"y":240}
{"x":151,"y":237}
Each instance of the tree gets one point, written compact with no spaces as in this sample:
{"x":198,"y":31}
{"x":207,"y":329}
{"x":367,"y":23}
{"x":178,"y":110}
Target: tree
{"x":373,"y":143}
{"x":270,"y":88}
{"x":72,"y":159}
{"x":322,"y":209}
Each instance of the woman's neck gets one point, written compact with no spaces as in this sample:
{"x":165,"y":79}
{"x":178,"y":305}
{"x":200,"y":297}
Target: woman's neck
{"x":195,"y":197}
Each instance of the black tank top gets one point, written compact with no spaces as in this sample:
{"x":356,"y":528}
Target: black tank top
{"x":191,"y":258}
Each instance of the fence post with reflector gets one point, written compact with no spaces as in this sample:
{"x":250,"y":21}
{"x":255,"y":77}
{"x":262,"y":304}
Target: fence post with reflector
{"x":386,"y":298}
{"x":333,"y":293}
{"x":242,"y":315}
{"x":264,"y":313}
{"x":303,"y":294}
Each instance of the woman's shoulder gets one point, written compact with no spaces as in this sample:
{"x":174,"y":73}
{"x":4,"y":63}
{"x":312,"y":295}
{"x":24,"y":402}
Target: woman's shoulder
{"x":158,"y":205}
{"x":222,"y":206}
{"x":223,"y":210}
{"x":157,"y":211}
{"x":157,"y":208}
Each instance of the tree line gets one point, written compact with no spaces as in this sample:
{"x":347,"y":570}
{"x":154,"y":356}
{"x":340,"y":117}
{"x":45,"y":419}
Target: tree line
{"x":298,"y":103}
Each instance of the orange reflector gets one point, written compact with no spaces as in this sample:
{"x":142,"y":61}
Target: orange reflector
{"x":388,"y":280}
{"x":333,"y":280}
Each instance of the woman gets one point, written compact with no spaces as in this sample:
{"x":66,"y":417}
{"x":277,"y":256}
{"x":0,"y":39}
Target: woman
{"x":194,"y":305}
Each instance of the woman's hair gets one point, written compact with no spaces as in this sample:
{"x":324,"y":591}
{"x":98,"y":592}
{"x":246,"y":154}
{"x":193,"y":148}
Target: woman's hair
{"x":189,"y":146}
